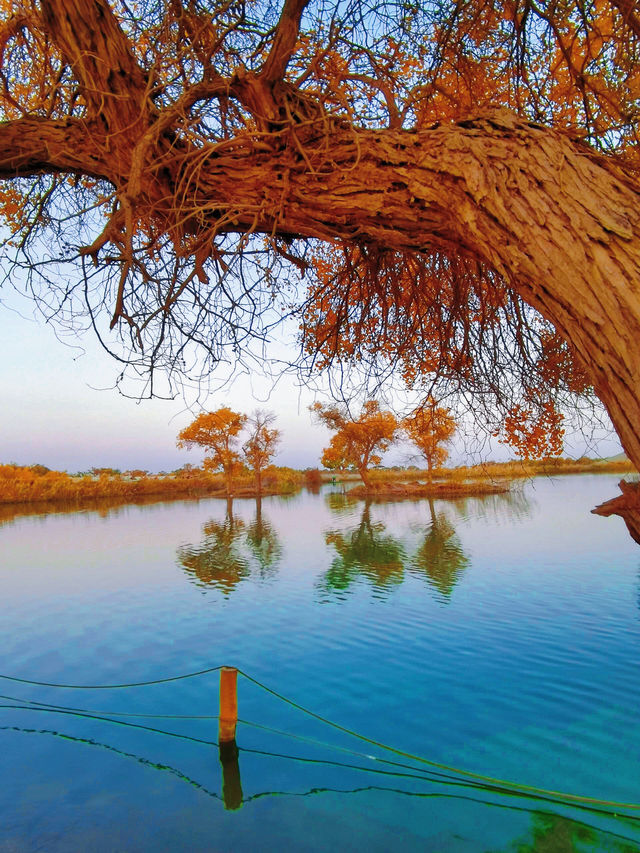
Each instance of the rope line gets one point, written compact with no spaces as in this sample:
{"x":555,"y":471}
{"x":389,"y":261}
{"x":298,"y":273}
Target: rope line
{"x":506,"y":784}
{"x":48,"y":706}
{"x":432,"y":775}
{"x":112,"y":686}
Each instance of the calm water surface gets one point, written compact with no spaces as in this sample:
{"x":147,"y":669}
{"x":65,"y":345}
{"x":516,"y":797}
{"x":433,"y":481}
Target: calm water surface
{"x":500,"y":636}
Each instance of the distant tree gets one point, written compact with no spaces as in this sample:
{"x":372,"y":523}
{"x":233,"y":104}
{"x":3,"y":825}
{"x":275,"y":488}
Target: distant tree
{"x":430,"y":428}
{"x":136,"y":474}
{"x":261,"y":445}
{"x":217,"y":432}
{"x":359,"y":442}
{"x":39,"y":470}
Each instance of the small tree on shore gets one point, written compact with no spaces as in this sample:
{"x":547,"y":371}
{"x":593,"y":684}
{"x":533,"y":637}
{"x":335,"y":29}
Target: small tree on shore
{"x":261,"y":445}
{"x":218,"y":433}
{"x":430,"y":428}
{"x":356,"y":442}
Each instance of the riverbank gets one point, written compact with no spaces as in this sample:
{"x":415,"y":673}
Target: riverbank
{"x":417,"y":490}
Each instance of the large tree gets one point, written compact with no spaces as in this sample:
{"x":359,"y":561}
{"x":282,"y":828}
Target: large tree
{"x":161,"y":157}
{"x":357,"y":441}
{"x":261,"y":445}
{"x":431,"y":427}
{"x":217,"y":432}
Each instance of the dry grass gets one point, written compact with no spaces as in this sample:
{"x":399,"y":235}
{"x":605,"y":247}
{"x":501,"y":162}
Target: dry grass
{"x":20,"y":484}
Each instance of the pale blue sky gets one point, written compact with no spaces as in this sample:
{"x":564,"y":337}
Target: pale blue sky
{"x":54,"y":413}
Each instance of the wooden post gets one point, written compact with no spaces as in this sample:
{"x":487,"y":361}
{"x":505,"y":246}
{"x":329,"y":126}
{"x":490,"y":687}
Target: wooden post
{"x":227,"y":747}
{"x":228,"y":704}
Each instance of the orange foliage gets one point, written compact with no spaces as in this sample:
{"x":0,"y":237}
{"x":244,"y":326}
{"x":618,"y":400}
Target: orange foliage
{"x":261,"y":445}
{"x":182,"y":85}
{"x":217,"y":432}
{"x":430,"y":427}
{"x":534,"y":433}
{"x":357,"y":442}
{"x":396,"y":306}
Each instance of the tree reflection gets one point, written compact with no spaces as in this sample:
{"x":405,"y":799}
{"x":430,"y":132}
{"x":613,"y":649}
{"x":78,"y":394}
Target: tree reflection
{"x":552,"y":833}
{"x":510,"y":506}
{"x":340,"y":503}
{"x":440,"y":557}
{"x":231,"y":550}
{"x":364,"y":552}
{"x":263,"y":542}
{"x":217,"y":561}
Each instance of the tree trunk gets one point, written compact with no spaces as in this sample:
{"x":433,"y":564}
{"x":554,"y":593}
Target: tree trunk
{"x":430,"y":470}
{"x":559,"y":224}
{"x":228,"y":473}
{"x":364,"y":476}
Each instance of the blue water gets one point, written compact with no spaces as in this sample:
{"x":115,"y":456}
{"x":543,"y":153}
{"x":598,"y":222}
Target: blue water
{"x":500,"y":636}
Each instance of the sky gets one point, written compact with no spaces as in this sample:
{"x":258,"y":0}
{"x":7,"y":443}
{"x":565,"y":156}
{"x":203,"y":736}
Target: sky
{"x":59,"y":409}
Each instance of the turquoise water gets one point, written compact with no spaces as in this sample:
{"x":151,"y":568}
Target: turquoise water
{"x":500,"y":636}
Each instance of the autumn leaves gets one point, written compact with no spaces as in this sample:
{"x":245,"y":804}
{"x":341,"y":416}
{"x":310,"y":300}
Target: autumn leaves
{"x":219,"y":434}
{"x":358,"y":441}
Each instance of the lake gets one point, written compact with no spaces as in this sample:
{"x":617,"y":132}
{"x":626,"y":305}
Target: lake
{"x":496,"y":636}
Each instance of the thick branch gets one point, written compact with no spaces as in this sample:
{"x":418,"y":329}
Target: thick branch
{"x":100,"y":56}
{"x":629,"y":12}
{"x":31,"y":146}
{"x":560,"y":224}
{"x":284,"y":42}
{"x":554,"y":220}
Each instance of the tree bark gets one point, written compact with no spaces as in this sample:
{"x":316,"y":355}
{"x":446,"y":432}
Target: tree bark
{"x":364,"y":476}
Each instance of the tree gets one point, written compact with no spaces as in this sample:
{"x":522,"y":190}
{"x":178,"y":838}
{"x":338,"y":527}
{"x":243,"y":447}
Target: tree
{"x":217,"y":432}
{"x":430,"y":427}
{"x":261,"y":445}
{"x":356,"y":442}
{"x":161,"y":160}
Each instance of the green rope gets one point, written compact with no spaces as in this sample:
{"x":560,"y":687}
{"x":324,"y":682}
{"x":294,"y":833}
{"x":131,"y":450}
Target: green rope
{"x":112,"y":686}
{"x":505,"y":783}
{"x":50,"y":707}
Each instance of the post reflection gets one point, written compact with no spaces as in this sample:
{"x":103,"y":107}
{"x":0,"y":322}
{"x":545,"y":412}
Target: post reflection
{"x":365,"y":551}
{"x":232,"y":551}
{"x":440,"y":558}
{"x":232,"y":795}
